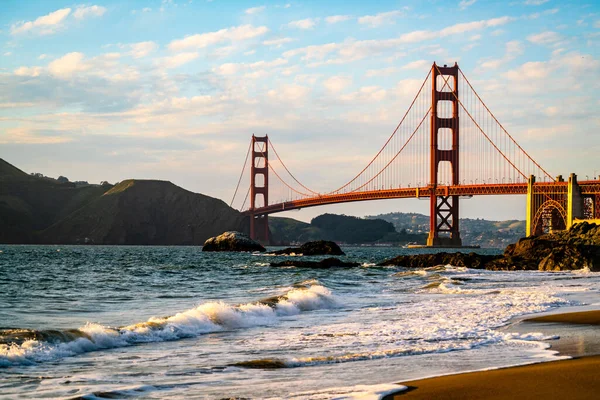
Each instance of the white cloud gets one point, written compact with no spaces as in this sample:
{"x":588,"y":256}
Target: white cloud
{"x":475,"y":37}
{"x":28,"y":71}
{"x":334,"y":19}
{"x":352,"y":50}
{"x":67,"y":65}
{"x":88,"y":11}
{"x":380,"y":19}
{"x":255,"y":10}
{"x":475,"y":25}
{"x":8,"y":53}
{"x":419,"y":64}
{"x":514,"y":49}
{"x":381,"y":72}
{"x":288,"y":93}
{"x":277,"y":42}
{"x":233,"y":68}
{"x":142,"y":49}
{"x":336,"y":84}
{"x":545,"y":38}
{"x":177,"y":60}
{"x":232,"y":34}
{"x":535,"y":2}
{"x":44,"y":25}
{"x":42,"y":56}
{"x":227,"y":69}
{"x":597,"y":24}
{"x":529,"y":70}
{"x":466,"y":3}
{"x":366,"y":94}
{"x":307,"y":23}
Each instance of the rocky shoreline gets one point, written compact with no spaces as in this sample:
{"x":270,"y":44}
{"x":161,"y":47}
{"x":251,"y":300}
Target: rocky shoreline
{"x":576,"y":248}
{"x":573,"y":249}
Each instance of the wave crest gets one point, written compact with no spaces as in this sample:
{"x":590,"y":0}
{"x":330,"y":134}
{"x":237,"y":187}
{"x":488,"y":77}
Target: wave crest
{"x":25,"y":347}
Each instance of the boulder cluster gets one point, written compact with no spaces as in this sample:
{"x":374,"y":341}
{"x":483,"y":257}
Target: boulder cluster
{"x":576,"y":248}
{"x":316,"y":248}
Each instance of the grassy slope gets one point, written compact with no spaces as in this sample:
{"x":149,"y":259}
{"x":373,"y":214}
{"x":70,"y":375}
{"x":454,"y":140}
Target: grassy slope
{"x":29,"y":204}
{"x":146,"y":212}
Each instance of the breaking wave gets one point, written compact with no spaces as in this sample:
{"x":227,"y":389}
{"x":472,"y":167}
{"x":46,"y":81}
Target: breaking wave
{"x":26,"y":347}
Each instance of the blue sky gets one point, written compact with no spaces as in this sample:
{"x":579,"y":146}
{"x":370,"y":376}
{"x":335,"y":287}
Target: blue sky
{"x":173,"y":90}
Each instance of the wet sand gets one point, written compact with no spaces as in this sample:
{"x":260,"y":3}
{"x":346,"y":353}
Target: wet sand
{"x":566,"y":379}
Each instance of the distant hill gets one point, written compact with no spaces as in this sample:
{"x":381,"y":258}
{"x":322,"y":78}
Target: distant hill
{"x":29,"y":204}
{"x":146,"y":212}
{"x":339,"y":228}
{"x":288,"y":230}
{"x":484,"y":233}
{"x":36,"y":209}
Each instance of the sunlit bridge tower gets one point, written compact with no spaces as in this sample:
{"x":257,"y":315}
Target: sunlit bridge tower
{"x":443,"y":225}
{"x":259,"y":186}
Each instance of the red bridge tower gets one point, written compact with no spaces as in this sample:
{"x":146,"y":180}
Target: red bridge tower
{"x":443,"y":210}
{"x":259,"y":223}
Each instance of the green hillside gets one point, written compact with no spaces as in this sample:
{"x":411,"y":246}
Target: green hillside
{"x":37,"y":209}
{"x":29,"y":204}
{"x":147,"y":212}
{"x":339,"y":228}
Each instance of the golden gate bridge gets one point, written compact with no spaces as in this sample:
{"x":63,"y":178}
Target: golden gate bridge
{"x":448,"y":145}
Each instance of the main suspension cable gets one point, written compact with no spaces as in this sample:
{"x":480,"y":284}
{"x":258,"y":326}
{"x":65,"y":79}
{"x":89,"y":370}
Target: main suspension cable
{"x":241,"y":175}
{"x":288,"y":171}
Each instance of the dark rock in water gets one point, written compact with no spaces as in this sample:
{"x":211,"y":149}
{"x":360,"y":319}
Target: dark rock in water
{"x":326,"y":263}
{"x":264,"y":363}
{"x":577,"y":248}
{"x":471,"y":260}
{"x":316,"y":248}
{"x":232,"y":241}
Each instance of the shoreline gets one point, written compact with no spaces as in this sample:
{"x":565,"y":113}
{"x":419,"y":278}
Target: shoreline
{"x":574,"y":378}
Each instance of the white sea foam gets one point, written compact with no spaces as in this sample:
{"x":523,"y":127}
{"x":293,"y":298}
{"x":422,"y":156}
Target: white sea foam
{"x":582,"y":271}
{"x":206,"y":318}
{"x":464,"y":320}
{"x":357,"y":392}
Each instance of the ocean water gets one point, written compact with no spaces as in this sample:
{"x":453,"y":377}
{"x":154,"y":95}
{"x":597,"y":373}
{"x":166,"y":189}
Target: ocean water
{"x":173,"y":322}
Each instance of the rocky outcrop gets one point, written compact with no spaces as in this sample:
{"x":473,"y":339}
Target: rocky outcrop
{"x":576,"y":248}
{"x":326,"y":263}
{"x":471,"y":260}
{"x":316,"y":248}
{"x":232,"y":241}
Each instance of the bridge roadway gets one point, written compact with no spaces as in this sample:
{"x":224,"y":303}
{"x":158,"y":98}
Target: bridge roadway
{"x":400,"y":193}
{"x":587,"y":187}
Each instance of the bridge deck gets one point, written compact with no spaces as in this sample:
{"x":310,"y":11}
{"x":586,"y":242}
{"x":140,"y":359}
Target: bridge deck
{"x":401,"y":193}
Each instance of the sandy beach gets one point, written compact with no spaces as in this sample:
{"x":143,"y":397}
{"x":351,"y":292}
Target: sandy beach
{"x":575,"y":378}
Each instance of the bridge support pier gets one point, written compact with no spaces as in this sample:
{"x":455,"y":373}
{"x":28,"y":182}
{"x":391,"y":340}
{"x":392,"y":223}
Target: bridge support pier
{"x":574,"y":201}
{"x":443,"y":210}
{"x":259,"y":171}
{"x":529,"y":228}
